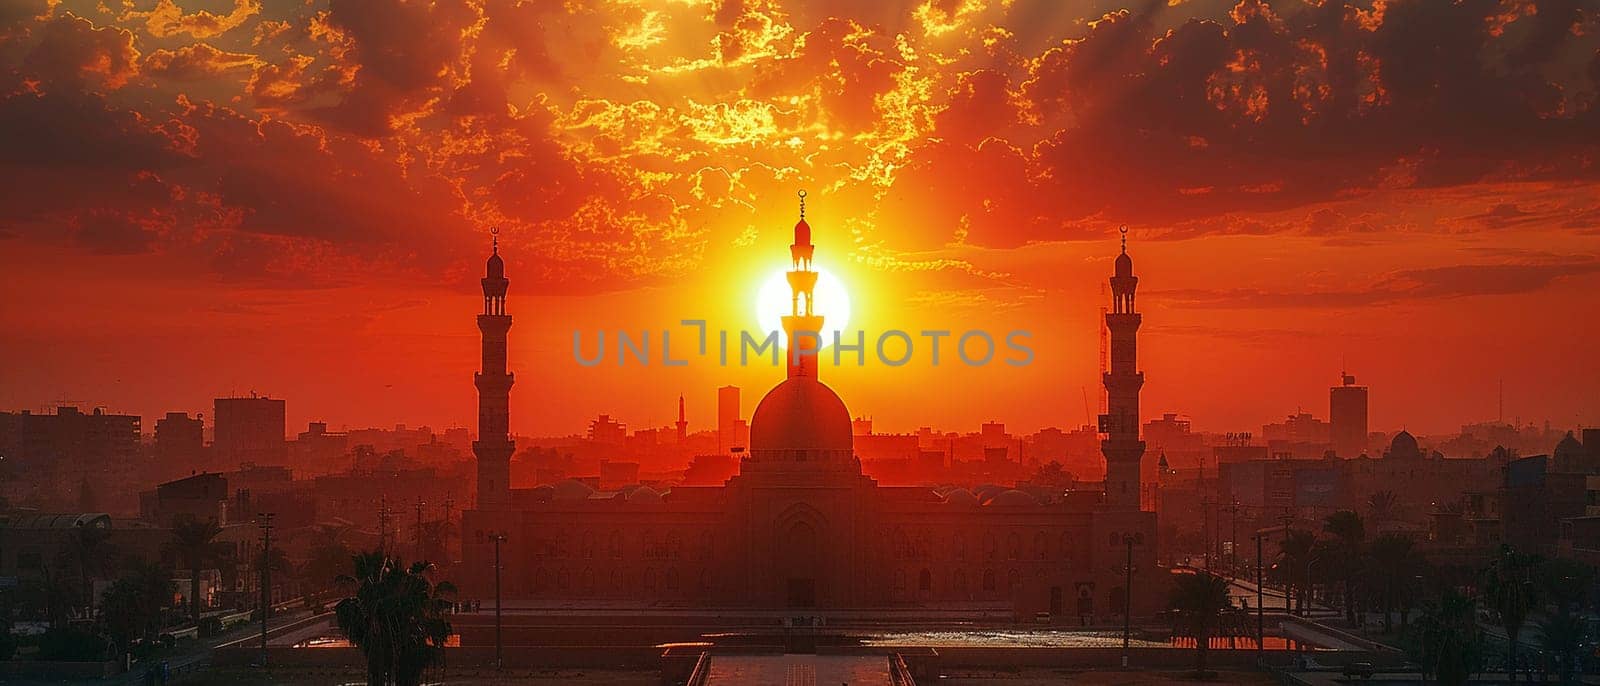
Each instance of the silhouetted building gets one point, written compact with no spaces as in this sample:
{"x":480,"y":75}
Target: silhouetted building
{"x":494,"y":446}
{"x":319,"y":449}
{"x":180,"y":441}
{"x":1347,"y":417}
{"x":799,"y":525}
{"x":202,"y":497}
{"x":249,"y":429}
{"x":50,"y":457}
{"x":731,"y":428}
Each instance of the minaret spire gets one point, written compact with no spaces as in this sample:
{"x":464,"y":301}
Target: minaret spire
{"x":1122,"y":448}
{"x":494,"y":447}
{"x":802,"y":327}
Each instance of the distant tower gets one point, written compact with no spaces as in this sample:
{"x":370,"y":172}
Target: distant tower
{"x":1120,"y":424}
{"x":493,"y":447}
{"x":728,"y":420}
{"x":1347,"y":417}
{"x":683,"y":423}
{"x":801,"y":322}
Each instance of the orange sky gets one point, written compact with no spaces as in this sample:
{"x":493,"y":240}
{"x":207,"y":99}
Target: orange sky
{"x":215,"y":197}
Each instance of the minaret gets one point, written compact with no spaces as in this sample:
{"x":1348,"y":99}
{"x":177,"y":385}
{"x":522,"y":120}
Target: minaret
{"x":683,"y":423}
{"x":802,"y":323}
{"x":1120,"y":424}
{"x":493,"y":447}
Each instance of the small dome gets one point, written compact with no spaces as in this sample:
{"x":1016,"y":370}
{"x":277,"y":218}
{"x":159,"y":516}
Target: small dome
{"x":572,"y":489}
{"x":961,"y":497}
{"x":1014,"y":498}
{"x":644,"y":494}
{"x":800,"y":414}
{"x":1124,"y":265}
{"x":496,"y":268}
{"x":1569,"y":447}
{"x":1404,"y":445}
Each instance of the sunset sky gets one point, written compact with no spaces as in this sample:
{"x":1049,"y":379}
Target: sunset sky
{"x":210,"y":197}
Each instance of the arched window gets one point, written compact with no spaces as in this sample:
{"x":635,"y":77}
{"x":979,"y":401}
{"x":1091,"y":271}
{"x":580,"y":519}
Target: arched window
{"x":672,"y":579}
{"x":899,"y":580}
{"x":1066,"y":549}
{"x":650,"y":579}
{"x":563,"y":579}
{"x":586,"y":581}
{"x":960,"y":545}
{"x":988,"y":580}
{"x":1041,"y":546}
{"x":1138,"y":538}
{"x":1013,"y":546}
{"x":541,"y":580}
{"x":991,"y":549}
{"x":961,"y":581}
{"x":587,"y":547}
{"x":1013,"y":581}
{"x":925,"y":581}
{"x":705,"y":580}
{"x":615,"y":544}
{"x":674,"y":545}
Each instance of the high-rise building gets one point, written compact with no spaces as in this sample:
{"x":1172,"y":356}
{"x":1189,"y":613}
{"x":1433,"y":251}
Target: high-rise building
{"x":494,"y":447}
{"x":66,"y":453}
{"x":1122,"y":447}
{"x":1347,"y":417}
{"x":728,"y":419}
{"x":180,"y":440}
{"x":249,"y":429}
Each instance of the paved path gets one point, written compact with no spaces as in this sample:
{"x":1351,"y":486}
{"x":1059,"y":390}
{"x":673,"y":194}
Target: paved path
{"x":799,"y":670}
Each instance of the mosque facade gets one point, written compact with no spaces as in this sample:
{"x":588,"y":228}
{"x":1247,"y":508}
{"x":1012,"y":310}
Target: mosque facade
{"x":800,"y":526}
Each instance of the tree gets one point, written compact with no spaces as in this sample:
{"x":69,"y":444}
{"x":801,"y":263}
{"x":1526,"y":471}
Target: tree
{"x":91,"y":555}
{"x":1566,"y":583}
{"x":1349,"y":533}
{"x":1393,"y":562}
{"x":396,"y":616}
{"x":194,"y":540}
{"x":1509,"y":586}
{"x":1199,"y":601}
{"x":1297,"y":549}
{"x":328,"y":562}
{"x":1446,"y":639}
{"x":131,"y":608}
{"x":1382,"y":505}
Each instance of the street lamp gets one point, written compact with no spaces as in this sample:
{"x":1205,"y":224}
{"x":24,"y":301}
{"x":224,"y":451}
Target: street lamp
{"x":499,"y":659}
{"x":1261,"y":619}
{"x":1127,"y":599}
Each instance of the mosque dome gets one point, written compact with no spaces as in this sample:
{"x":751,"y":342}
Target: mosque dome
{"x":1124,"y":265}
{"x":496,"y":268}
{"x":800,"y":414}
{"x":1404,"y":445}
{"x":1014,"y":498}
{"x":572,"y":489}
{"x":961,"y":497}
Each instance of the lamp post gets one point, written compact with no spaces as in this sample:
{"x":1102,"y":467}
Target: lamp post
{"x":1127,"y":599}
{"x":499,"y":659}
{"x":264,"y":520}
{"x":1261,"y":619}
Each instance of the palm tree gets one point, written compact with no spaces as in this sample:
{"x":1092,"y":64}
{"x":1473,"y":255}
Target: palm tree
{"x":1382,"y":505}
{"x":91,"y":554}
{"x":194,"y":540}
{"x":1393,"y":561}
{"x":1199,"y":601}
{"x":1446,"y":639}
{"x":1509,"y":587}
{"x":1349,"y":533}
{"x":1297,"y":549}
{"x":396,"y":616}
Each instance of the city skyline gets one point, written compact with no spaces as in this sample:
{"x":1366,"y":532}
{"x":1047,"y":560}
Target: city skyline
{"x":285,"y":224}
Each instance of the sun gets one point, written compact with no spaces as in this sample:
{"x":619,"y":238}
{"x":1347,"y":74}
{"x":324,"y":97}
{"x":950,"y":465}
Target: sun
{"x":773,"y":302}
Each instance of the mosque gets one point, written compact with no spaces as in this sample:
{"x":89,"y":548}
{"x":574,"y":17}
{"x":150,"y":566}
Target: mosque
{"x":799,"y":526}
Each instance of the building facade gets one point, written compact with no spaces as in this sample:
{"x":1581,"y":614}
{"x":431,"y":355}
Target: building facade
{"x":800,"y":526}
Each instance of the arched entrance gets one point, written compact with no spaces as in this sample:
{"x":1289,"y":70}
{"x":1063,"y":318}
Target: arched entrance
{"x":799,"y":561}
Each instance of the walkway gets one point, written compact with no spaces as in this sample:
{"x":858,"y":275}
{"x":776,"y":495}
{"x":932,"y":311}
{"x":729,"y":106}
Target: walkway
{"x":799,"y":670}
